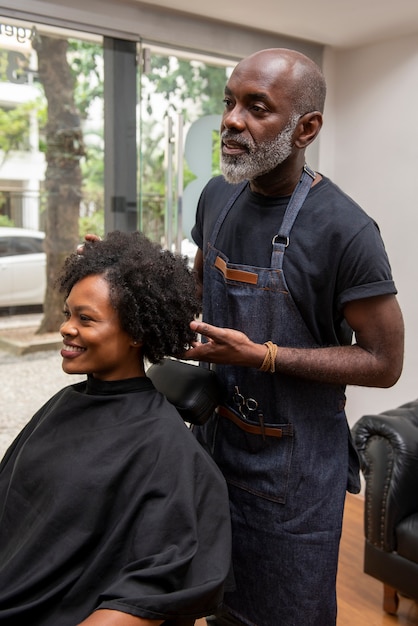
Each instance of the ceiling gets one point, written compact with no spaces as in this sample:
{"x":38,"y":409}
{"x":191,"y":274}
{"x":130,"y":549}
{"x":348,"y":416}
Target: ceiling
{"x":338,"y":23}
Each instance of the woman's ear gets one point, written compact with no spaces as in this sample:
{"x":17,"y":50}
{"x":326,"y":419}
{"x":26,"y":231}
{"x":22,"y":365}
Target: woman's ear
{"x":307,"y":129}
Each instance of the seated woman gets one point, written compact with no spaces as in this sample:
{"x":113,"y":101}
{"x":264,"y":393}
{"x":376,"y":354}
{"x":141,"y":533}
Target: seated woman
{"x":111,"y":513}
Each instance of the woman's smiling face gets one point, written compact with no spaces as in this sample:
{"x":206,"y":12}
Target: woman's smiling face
{"x":94,"y":342}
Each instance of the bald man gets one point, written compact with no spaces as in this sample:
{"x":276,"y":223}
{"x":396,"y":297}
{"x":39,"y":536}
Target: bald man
{"x":298,"y":302}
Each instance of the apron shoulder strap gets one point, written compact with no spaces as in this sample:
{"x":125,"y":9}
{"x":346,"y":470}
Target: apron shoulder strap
{"x":281,"y":240}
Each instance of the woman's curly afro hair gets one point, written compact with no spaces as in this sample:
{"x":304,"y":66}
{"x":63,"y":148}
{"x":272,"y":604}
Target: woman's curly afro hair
{"x":152,"y":290}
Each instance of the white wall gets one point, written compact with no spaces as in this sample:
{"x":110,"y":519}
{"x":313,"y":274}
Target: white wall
{"x":369,"y":146}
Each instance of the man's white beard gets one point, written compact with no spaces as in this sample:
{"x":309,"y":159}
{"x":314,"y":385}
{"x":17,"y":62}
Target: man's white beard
{"x":260,"y":158}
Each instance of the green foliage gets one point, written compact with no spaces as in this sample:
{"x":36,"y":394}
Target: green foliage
{"x":92,"y":168}
{"x":191,"y":88}
{"x":86,"y":63}
{"x":6,"y":221}
{"x":14,"y":127}
{"x":14,"y":120}
{"x":3,"y":65}
{"x":93,"y":223}
{"x":216,"y":153}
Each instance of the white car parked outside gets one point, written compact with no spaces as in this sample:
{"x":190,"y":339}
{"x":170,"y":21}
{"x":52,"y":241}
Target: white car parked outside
{"x":22,"y":267}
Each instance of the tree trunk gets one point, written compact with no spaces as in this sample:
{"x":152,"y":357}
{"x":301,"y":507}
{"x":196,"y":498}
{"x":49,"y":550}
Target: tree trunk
{"x":63,"y":178}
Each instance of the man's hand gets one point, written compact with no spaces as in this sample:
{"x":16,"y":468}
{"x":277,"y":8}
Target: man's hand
{"x":225,"y":346}
{"x":88,"y":237}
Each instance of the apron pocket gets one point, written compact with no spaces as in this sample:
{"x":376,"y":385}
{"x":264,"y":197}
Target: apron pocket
{"x":259,"y":465}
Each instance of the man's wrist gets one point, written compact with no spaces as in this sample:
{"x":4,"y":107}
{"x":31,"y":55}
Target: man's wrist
{"x":269,"y":362}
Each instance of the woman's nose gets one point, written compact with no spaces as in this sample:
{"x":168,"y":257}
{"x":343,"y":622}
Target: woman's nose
{"x":67,"y":329}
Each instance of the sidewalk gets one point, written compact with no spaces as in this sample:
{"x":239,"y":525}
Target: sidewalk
{"x":18,"y":335}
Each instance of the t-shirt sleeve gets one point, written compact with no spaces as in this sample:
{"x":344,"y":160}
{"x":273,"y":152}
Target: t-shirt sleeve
{"x":365,"y":269}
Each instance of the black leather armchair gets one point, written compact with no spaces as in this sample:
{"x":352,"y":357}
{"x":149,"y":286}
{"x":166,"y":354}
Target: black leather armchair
{"x":388,"y":447}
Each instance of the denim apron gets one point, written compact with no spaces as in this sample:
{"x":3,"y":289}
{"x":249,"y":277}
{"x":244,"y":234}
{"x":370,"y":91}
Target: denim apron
{"x":281,"y":442}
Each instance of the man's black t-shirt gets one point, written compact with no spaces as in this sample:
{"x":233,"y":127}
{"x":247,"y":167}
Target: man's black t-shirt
{"x":335,"y":253}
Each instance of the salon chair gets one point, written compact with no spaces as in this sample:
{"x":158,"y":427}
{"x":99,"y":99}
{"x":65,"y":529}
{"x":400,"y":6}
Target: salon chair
{"x":388,"y":448}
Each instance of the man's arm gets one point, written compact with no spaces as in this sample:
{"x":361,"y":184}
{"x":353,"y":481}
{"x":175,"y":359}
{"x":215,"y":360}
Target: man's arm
{"x":375,"y":360}
{"x":106,"y":617}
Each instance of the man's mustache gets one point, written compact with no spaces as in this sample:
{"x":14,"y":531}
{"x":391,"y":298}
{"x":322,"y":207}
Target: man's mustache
{"x":227,"y":137}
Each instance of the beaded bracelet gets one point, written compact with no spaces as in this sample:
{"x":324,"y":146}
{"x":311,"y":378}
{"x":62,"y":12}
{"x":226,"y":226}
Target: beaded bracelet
{"x":269,"y":363}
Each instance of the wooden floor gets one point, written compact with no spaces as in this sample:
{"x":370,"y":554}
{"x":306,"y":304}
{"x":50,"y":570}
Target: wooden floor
{"x":359,"y":595}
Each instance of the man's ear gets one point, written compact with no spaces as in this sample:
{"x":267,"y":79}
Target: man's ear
{"x":307,"y":129}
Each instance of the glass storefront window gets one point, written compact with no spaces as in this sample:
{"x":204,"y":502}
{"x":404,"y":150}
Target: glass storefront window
{"x":51,"y":146}
{"x":53,"y":125}
{"x":51,"y":99}
{"x":179,"y":116}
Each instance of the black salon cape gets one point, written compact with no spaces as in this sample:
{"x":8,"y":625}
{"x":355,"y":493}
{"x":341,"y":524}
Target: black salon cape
{"x":107,"y":501}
